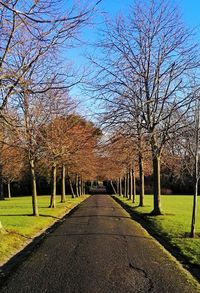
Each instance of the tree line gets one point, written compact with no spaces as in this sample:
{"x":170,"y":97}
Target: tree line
{"x":39,"y":125}
{"x":146,"y":76}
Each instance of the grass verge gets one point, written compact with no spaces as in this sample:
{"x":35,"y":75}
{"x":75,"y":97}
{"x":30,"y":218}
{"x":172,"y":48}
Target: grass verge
{"x":174,"y":226}
{"x":21,"y":227}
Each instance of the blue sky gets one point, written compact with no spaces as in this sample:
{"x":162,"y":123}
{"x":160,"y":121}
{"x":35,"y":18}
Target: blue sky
{"x":190,"y":10}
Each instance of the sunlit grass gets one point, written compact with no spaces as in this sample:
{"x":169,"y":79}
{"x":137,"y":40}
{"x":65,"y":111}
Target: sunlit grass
{"x":19,"y":224}
{"x":175,"y":224}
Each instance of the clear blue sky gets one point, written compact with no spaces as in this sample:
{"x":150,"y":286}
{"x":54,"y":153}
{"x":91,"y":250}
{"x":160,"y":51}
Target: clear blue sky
{"x":190,"y":10}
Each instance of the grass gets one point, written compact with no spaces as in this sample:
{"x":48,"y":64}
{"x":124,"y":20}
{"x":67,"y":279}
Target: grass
{"x":174,"y":225}
{"x":19,"y":224}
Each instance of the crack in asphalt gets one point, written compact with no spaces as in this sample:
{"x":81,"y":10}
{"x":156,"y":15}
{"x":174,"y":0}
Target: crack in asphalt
{"x":145,"y":275}
{"x":140,"y":270}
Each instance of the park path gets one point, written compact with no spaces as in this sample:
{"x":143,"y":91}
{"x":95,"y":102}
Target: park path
{"x":99,"y":248}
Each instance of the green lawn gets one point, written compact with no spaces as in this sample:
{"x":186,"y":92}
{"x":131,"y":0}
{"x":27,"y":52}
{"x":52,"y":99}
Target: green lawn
{"x":174,"y":225}
{"x":21,"y":226}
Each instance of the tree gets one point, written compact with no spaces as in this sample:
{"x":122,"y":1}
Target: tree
{"x":190,"y":141}
{"x":54,"y":139}
{"x":12,"y":164}
{"x":146,"y":61}
{"x":42,"y":27}
{"x":32,"y":35}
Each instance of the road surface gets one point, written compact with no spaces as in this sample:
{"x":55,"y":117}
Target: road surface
{"x":99,"y":248}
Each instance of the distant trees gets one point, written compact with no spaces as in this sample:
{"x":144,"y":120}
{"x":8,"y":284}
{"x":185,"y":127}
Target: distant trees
{"x":12,"y":162}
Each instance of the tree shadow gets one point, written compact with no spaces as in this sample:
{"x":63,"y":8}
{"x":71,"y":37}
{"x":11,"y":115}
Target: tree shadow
{"x":28,"y":215}
{"x":15,"y":215}
{"x":99,"y":234}
{"x":103,"y":216}
{"x":97,"y":207}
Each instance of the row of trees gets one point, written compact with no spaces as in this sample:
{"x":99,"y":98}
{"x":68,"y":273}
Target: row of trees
{"x":146,"y":75}
{"x":39,"y":127}
{"x":39,"y":146}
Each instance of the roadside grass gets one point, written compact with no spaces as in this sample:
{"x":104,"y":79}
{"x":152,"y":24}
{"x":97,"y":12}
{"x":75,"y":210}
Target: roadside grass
{"x":19,"y":224}
{"x":174,"y":225}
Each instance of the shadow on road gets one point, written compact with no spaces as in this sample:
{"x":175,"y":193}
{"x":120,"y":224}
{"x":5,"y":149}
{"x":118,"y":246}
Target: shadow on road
{"x":98,"y":234}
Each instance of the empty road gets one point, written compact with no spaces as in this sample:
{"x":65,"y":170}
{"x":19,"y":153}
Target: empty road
{"x":99,"y":248}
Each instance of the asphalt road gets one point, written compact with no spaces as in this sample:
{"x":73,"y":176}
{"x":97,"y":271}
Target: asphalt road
{"x":99,"y":248}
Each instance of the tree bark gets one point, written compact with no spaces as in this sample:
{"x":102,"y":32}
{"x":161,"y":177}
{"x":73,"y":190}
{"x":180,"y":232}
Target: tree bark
{"x":80,"y":185}
{"x":134,"y":184}
{"x":1,"y":185}
{"x":196,"y":169}
{"x":127,"y":182}
{"x":83,"y":187}
{"x":8,"y":186}
{"x":120,"y":186}
{"x":156,"y":152}
{"x":194,"y":209}
{"x":63,"y":195}
{"x":156,"y":185}
{"x":141,"y":174}
{"x":34,"y":189}
{"x":111,"y":183}
{"x":117,"y":186}
{"x":130,"y":185}
{"x":125,"y":193}
{"x":1,"y":190}
{"x":53,"y":187}
{"x":71,"y":187}
{"x":77,"y":185}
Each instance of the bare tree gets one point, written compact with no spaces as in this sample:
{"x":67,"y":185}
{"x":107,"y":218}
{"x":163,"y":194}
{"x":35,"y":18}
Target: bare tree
{"x":32,"y":35}
{"x":42,"y":27}
{"x":190,"y":152}
{"x":146,"y":61}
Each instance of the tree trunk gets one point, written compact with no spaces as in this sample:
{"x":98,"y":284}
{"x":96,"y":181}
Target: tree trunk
{"x":141,"y":174}
{"x":127,"y":182}
{"x":80,"y":186}
{"x":111,"y":183}
{"x":130,"y":185}
{"x":83,"y":187}
{"x":117,"y":186}
{"x":34,"y":189}
{"x":1,"y":190}
{"x":194,"y":209}
{"x":1,"y":185}
{"x":120,"y":186}
{"x":125,"y":194}
{"x":196,"y":169}
{"x":134,"y":184}
{"x":53,"y":187}
{"x":71,"y":187}
{"x":63,"y":195}
{"x":8,"y":186}
{"x":156,"y":185}
{"x":77,"y":183}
